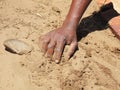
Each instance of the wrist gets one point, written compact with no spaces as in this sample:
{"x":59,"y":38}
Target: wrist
{"x":70,"y":24}
{"x":69,"y":27}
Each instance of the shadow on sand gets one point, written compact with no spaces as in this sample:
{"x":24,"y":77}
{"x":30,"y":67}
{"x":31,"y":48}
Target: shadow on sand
{"x":97,"y":21}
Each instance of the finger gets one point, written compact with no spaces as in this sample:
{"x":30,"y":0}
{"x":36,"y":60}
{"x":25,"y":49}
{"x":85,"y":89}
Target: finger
{"x":50,"y":49}
{"x":71,"y":50}
{"x":59,"y":50}
{"x":44,"y":45}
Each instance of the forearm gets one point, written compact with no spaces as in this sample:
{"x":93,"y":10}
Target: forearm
{"x":75,"y":13}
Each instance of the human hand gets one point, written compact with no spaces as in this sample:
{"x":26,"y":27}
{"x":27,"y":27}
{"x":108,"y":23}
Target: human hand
{"x":53,"y":43}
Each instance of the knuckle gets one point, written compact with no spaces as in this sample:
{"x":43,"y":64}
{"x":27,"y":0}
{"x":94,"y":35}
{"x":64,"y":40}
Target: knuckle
{"x":61,"y":37}
{"x":51,"y":45}
{"x":60,"y":41}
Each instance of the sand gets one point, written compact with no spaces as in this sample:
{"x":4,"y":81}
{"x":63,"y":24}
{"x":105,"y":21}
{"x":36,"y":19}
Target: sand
{"x":95,"y":66}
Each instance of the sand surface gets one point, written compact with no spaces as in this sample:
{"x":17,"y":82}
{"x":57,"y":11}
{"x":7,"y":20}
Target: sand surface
{"x":95,"y":66}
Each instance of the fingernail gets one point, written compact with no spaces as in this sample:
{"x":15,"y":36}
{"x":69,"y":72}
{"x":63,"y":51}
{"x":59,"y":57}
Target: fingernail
{"x":57,"y":61}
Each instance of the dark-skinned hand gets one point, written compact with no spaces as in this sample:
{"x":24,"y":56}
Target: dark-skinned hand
{"x":53,"y":43}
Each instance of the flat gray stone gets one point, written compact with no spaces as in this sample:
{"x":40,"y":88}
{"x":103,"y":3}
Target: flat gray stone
{"x":17,"y":46}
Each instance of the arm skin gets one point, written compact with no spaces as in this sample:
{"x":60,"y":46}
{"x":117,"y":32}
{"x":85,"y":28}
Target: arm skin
{"x":75,"y":13}
{"x":52,"y":44}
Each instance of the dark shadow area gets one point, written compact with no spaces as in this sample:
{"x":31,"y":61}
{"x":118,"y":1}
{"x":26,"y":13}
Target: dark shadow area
{"x":9,"y":50}
{"x":97,"y":21}
{"x":91,"y":24}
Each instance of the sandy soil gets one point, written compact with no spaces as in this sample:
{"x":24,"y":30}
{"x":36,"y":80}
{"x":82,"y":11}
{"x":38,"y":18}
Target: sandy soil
{"x":95,"y":66}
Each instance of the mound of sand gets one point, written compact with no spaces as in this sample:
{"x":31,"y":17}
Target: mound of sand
{"x":95,"y":66}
